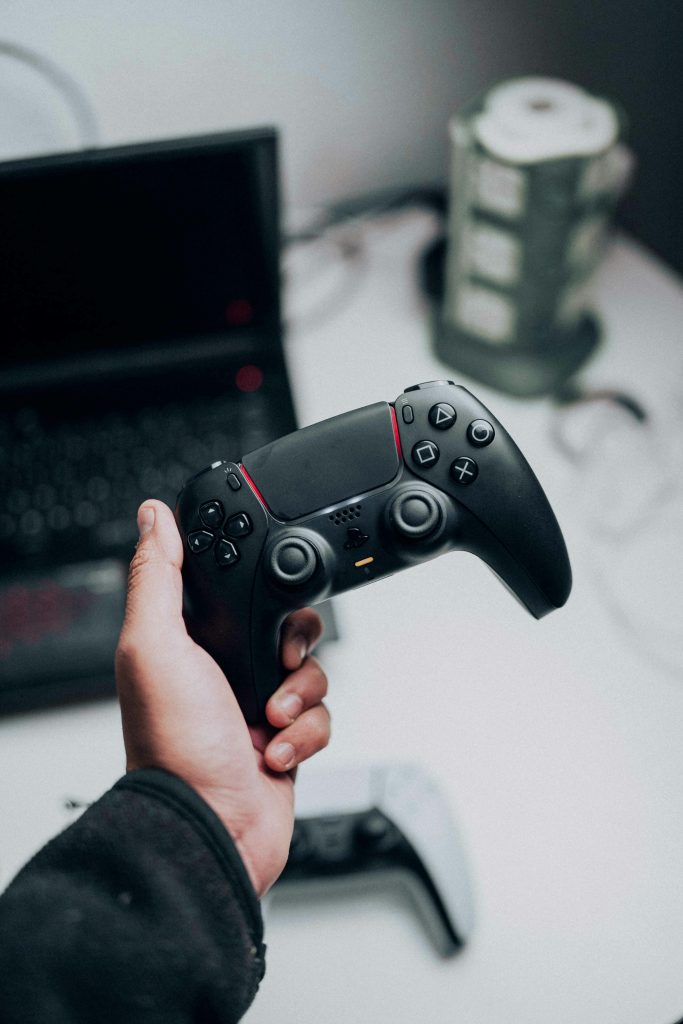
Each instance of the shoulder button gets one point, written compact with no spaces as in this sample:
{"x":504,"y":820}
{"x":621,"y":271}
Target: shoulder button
{"x":427,"y":384}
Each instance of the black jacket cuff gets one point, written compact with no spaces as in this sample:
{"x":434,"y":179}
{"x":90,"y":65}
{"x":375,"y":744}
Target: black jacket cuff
{"x":188,"y":804}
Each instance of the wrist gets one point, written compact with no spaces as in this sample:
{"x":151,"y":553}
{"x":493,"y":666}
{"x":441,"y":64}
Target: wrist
{"x":260,"y":839}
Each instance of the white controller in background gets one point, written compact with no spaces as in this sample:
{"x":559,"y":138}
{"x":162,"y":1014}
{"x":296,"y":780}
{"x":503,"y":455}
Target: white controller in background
{"x":358,"y":827}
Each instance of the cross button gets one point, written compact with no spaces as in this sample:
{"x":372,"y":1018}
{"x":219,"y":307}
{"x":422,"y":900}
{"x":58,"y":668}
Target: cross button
{"x":464,"y":470}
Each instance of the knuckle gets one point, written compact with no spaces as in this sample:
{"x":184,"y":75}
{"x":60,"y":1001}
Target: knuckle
{"x":141,"y":558}
{"x":325,"y":737}
{"x":128,"y":656}
{"x":318,"y":727}
{"x":313,"y":625}
{"x":307,"y":622}
{"x":316,"y":680}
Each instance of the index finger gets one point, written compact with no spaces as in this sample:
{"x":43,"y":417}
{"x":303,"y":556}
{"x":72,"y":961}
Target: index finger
{"x":301,"y":631}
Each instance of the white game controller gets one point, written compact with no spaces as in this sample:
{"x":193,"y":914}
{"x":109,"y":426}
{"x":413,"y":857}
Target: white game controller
{"x":361,"y":827}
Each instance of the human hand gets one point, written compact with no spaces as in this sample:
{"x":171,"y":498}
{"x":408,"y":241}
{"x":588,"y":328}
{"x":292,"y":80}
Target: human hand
{"x":180,"y":714}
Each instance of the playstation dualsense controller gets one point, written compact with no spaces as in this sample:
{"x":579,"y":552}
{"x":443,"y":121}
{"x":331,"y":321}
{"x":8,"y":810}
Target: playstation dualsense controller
{"x":363,"y":829}
{"x":350,"y":500}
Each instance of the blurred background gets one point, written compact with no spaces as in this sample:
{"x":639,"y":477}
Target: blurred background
{"x":556,"y":746}
{"x":361,"y":92}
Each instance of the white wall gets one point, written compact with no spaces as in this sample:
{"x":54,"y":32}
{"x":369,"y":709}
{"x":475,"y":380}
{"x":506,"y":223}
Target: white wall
{"x":361,"y":91}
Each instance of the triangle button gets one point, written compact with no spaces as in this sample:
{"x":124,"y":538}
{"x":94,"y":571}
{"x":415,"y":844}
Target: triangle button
{"x":442,"y":416}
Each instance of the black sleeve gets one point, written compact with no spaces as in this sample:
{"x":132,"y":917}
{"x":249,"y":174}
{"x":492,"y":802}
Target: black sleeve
{"x":142,"y":910}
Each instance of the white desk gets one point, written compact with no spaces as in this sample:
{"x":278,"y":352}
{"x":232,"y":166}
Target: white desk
{"x":558,"y":747}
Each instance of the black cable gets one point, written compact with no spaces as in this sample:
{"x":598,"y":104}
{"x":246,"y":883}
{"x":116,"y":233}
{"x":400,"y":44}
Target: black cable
{"x":572,"y":393}
{"x":340,"y":225}
{"x":369,"y":205}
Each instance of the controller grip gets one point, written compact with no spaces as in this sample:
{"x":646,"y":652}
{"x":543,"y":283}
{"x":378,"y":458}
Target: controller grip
{"x":272,"y":600}
{"x":221,"y":630}
{"x":267,"y":671}
{"x":539,"y":574}
{"x":253,"y":668}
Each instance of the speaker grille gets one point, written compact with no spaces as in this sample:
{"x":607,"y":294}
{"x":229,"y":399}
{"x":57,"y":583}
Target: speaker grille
{"x":345,"y":515}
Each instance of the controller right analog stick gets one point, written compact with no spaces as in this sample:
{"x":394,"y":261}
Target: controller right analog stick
{"x":415,"y":514}
{"x":293,"y":561}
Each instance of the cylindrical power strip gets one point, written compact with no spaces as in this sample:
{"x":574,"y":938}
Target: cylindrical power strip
{"x":537,"y":166}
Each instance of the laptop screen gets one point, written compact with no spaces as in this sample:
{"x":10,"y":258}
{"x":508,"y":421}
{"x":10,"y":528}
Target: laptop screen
{"x":137,"y":246}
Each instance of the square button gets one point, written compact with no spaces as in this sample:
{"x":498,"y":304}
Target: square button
{"x":425,"y":454}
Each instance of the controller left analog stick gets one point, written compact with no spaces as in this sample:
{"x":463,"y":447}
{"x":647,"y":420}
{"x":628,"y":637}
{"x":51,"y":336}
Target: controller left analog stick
{"x":292,"y":561}
{"x":415,"y":514}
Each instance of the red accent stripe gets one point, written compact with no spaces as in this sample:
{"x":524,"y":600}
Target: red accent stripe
{"x":253,"y":486}
{"x":397,"y":436}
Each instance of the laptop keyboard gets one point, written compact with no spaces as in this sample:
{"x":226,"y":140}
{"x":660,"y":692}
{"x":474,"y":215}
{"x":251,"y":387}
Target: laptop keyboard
{"x":71,"y":489}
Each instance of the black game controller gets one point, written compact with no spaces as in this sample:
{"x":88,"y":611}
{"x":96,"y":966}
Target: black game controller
{"x":353,"y":499}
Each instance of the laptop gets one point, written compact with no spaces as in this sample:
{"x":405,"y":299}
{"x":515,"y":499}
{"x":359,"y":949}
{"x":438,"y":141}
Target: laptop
{"x":140,"y":339}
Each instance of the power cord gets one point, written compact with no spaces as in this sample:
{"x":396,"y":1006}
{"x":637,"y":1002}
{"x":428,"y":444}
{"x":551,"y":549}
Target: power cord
{"x":368,"y":205}
{"x":339,"y":231}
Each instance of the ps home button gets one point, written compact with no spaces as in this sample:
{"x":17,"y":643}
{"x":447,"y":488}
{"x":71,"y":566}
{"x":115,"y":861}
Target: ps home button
{"x":480,"y":433}
{"x":442,"y":416}
{"x":355,"y":538}
{"x":425,"y":454}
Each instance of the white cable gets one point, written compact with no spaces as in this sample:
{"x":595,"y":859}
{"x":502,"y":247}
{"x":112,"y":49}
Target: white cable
{"x":76,"y":99}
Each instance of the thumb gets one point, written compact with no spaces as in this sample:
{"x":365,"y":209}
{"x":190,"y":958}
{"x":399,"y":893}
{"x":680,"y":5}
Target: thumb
{"x":154,"y":604}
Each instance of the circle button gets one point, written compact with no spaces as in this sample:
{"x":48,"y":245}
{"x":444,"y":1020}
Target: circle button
{"x":425,"y":454}
{"x":293,"y":561}
{"x":415,"y":514}
{"x":464,"y":470}
{"x":442,"y":416}
{"x":480,"y":433}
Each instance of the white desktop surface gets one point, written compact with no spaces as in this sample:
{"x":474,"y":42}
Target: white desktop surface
{"x":557,"y":744}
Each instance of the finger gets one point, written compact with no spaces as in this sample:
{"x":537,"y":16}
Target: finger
{"x":261,"y":735}
{"x":154,"y":603}
{"x":301,"y":690}
{"x":300,"y":633}
{"x":300,"y":740}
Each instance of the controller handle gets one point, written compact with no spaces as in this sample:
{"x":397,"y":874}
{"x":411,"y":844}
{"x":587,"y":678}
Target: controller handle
{"x":296,"y":570}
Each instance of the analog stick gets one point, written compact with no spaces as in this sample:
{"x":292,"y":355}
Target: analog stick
{"x":293,"y":561}
{"x":415,"y":514}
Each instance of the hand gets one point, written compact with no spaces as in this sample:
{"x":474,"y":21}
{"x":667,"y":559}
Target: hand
{"x":179,"y":712}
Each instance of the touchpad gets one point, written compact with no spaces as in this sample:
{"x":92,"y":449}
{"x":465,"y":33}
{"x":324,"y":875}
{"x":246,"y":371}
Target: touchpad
{"x":326,"y":463}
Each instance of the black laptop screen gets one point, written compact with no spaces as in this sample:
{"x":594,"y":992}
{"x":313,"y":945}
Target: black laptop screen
{"x":136,"y":246}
